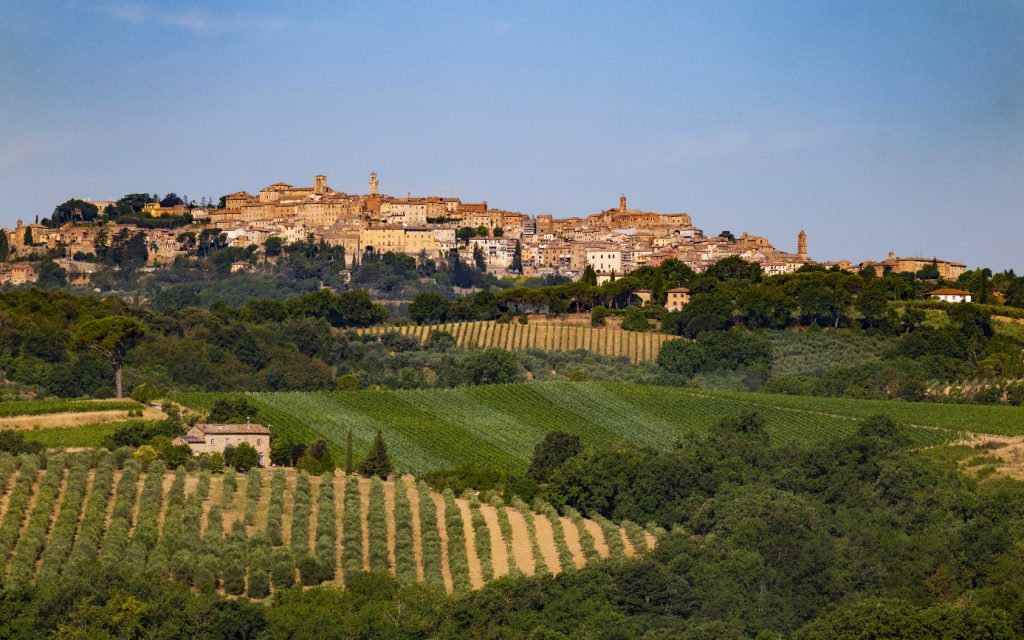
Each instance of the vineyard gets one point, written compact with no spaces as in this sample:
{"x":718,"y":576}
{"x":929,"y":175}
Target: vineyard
{"x":609,"y":340}
{"x":250,"y":534}
{"x":499,"y":425}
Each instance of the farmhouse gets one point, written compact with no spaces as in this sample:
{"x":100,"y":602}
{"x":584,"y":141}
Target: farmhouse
{"x":677,"y":298}
{"x":950,"y":295}
{"x":213,"y":438}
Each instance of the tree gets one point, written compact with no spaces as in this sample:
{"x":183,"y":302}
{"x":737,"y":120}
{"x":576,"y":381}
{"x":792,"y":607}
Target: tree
{"x":551,"y":452}
{"x":171,"y":200}
{"x":517,"y":258}
{"x":429,"y":307}
{"x":72,"y":210}
{"x":145,"y":454}
{"x":232,"y":410}
{"x":492,"y":366}
{"x":244,"y":457}
{"x":464,"y":234}
{"x":5,"y":247}
{"x":377,"y":461}
{"x":478,"y":258}
{"x":111,"y":337}
{"x":272,"y":246}
{"x":589,"y":276}
{"x":28,"y":236}
{"x":728,"y":235}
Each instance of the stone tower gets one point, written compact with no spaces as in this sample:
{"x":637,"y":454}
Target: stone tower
{"x":320,"y":185}
{"x":374,"y":186}
{"x":622,"y":203}
{"x":801,"y":244}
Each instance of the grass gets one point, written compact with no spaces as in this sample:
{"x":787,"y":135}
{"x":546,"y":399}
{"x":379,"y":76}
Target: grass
{"x":814,"y":352}
{"x":14,"y":408}
{"x":499,"y":425}
{"x":89,"y":435}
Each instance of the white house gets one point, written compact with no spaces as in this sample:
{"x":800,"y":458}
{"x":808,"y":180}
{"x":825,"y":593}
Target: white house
{"x":950,"y":295}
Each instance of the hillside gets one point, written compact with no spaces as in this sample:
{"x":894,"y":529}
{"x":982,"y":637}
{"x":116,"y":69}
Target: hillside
{"x":546,"y":335}
{"x":500,"y":424}
{"x":200,"y":527}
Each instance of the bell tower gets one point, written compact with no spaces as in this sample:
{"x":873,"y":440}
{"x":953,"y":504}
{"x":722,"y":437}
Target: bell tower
{"x":801,"y":244}
{"x":622,"y":203}
{"x":374,"y":186}
{"x":320,"y":185}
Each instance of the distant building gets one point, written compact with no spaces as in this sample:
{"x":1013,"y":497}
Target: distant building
{"x":214,"y":438}
{"x":950,"y":295}
{"x":677,"y":298}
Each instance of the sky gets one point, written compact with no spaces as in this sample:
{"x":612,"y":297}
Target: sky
{"x":874,"y":125}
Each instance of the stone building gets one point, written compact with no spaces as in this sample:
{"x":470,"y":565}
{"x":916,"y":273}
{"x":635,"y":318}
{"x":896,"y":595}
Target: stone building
{"x":214,"y":438}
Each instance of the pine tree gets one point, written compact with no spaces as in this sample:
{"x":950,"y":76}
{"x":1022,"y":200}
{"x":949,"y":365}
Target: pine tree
{"x":377,"y":461}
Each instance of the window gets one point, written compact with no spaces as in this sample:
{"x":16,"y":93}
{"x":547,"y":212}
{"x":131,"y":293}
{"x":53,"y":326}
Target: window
{"x":257,"y":440}
{"x":213,"y":441}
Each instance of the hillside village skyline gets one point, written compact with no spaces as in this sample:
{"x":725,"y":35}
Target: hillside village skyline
{"x":614,"y":241}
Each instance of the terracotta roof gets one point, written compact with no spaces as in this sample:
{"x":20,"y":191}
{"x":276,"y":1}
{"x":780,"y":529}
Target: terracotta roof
{"x":948,"y":292}
{"x":231,"y":429}
{"x":678,"y":290}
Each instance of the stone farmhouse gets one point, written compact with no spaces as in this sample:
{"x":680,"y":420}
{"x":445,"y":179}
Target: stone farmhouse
{"x":214,"y":438}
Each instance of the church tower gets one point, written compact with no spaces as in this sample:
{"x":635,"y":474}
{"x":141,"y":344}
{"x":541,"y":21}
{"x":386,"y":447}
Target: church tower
{"x":801,"y":244}
{"x":374,"y":186}
{"x":622,"y":203}
{"x":320,"y":185}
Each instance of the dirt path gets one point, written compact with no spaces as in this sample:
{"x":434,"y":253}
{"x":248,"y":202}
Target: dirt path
{"x":290,"y":480}
{"x":599,"y":542}
{"x":364,"y":519}
{"x":442,"y":530}
{"x":546,"y":540}
{"x":417,"y":540}
{"x":476,"y":574}
{"x":90,"y":481}
{"x":165,"y":489}
{"x":339,"y":526}
{"x":109,"y":514}
{"x":522,"y":547}
{"x":651,"y":540}
{"x":314,"y":509}
{"x":216,"y":489}
{"x":572,"y":540}
{"x":389,"y":523}
{"x":627,"y":545}
{"x":5,"y":496}
{"x":499,"y":555}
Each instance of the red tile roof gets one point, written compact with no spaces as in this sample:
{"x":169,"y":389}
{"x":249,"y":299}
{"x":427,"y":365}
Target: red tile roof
{"x":948,"y":292}
{"x":233,"y":429}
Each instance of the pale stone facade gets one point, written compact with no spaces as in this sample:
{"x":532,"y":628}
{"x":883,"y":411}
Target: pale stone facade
{"x":214,"y":438}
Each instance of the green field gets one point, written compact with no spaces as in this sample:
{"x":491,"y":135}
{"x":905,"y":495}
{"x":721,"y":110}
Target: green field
{"x":59,"y":405}
{"x":500,"y":424}
{"x":88,"y":435}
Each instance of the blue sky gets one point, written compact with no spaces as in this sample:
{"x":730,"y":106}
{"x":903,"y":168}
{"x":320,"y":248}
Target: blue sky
{"x":873,"y":125}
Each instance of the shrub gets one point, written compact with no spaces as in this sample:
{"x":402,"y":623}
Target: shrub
{"x":540,"y":565}
{"x":405,"y":561}
{"x":282,"y":568}
{"x":377,"y":521}
{"x":301,"y":515}
{"x":253,"y":489}
{"x":430,"y":539}
{"x":612,"y":536}
{"x":352,"y":531}
{"x":482,"y":539}
{"x":206,"y":574}
{"x":587,"y":542}
{"x":458,"y":561}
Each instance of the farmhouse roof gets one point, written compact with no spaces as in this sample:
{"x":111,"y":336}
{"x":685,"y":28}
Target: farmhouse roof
{"x":233,"y":429}
{"x":679,"y":290}
{"x":948,"y":292}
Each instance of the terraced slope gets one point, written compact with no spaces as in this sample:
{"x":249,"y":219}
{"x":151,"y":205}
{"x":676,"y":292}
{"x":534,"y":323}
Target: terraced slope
{"x":272,"y":528}
{"x":500,"y":424}
{"x":544,"y":335}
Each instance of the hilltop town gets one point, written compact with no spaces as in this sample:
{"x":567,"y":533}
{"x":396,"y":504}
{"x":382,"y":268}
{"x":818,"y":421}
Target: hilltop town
{"x":612,"y":242}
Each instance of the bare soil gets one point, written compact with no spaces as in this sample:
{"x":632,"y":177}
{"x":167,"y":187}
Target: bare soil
{"x":417,"y":540}
{"x":546,"y":541}
{"x":572,"y":540}
{"x":499,"y":555}
{"x":599,"y":542}
{"x":627,"y":545}
{"x":1007,"y":450}
{"x":476,"y":579}
{"x":442,"y":531}
{"x":522,"y":547}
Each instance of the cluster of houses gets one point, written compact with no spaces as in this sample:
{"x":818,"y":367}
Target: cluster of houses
{"x":613,"y":242}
